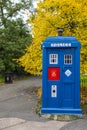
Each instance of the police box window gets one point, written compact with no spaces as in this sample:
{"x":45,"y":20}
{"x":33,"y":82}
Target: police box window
{"x":53,"y":58}
{"x":68,"y":59}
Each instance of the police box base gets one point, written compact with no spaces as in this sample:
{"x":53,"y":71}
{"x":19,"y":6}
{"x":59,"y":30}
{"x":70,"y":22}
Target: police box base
{"x":62,"y":111}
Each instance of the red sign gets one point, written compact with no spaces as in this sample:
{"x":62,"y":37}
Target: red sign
{"x":53,"y":73}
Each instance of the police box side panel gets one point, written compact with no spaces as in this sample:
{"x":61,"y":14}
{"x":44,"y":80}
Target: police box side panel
{"x":61,"y":77}
{"x":59,"y":84}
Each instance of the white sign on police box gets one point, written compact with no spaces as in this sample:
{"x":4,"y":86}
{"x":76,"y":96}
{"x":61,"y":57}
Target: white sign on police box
{"x":54,"y":91}
{"x":60,"y":44}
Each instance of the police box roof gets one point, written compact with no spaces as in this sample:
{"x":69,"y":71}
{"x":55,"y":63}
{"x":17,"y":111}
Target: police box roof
{"x":61,"y":41}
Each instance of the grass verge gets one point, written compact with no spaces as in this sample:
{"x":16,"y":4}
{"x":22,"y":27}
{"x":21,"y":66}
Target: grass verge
{"x":1,"y":79}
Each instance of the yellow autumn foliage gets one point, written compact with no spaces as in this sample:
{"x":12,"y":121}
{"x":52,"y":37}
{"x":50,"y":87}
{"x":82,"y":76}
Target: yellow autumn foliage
{"x":50,"y":15}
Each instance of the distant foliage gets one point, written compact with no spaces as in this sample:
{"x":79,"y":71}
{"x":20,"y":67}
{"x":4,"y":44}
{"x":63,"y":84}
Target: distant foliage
{"x":50,"y":15}
{"x":14,"y":34}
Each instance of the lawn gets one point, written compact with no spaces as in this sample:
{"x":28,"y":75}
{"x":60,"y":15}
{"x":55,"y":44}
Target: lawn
{"x":83,"y":79}
{"x":1,"y":79}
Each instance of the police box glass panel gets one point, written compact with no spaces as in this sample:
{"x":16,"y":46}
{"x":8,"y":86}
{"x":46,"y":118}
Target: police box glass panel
{"x":68,"y":59}
{"x":53,"y":58}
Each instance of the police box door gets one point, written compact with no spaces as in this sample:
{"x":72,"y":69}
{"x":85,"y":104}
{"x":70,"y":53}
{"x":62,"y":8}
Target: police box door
{"x":68,"y":76}
{"x":60,"y":71}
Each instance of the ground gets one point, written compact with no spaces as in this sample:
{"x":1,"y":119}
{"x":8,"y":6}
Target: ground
{"x":17,"y":109}
{"x":19,"y":99}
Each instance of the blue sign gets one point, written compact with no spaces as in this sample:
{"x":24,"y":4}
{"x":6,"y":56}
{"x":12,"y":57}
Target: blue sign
{"x":61,"y":76}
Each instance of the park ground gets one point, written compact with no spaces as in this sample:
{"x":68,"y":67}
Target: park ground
{"x":18,"y":103}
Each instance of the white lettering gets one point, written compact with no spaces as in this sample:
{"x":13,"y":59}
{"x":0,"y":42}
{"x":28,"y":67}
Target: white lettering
{"x":69,"y":44}
{"x":60,"y":44}
{"x":52,"y":45}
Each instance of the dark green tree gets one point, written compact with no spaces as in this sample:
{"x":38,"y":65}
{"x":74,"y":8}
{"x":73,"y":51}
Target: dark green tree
{"x":14,"y":32}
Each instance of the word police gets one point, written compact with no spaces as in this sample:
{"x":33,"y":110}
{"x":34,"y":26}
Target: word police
{"x":60,"y":44}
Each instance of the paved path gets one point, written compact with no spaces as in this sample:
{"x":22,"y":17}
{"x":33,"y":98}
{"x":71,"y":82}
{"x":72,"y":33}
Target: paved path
{"x":17,"y":109}
{"x":19,"y":99}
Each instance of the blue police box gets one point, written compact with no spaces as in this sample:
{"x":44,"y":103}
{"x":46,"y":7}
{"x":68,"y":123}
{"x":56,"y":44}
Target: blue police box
{"x":61,"y":76}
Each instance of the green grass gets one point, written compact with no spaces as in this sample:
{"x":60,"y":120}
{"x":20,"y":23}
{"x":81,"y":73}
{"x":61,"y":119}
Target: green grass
{"x":83,"y":79}
{"x":1,"y":79}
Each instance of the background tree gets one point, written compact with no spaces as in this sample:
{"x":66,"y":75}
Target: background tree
{"x":70,"y":15}
{"x":14,"y":33}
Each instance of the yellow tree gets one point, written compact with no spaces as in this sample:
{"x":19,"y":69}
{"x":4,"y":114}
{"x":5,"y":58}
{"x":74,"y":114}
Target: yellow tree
{"x":50,"y":15}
